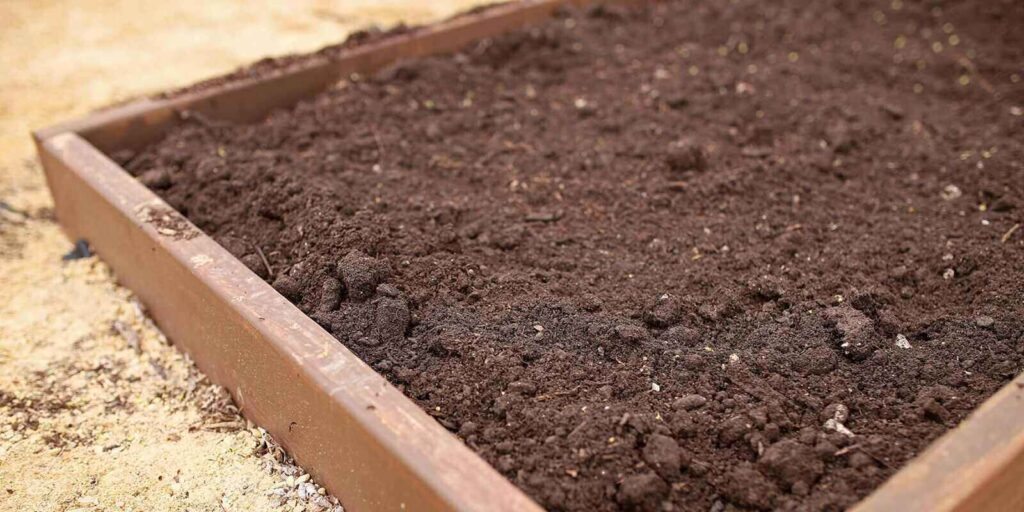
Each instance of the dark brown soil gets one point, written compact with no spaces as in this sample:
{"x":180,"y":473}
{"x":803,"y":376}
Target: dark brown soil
{"x":660,"y":258}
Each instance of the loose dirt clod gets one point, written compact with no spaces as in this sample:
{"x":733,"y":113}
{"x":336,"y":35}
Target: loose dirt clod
{"x":792,"y":462}
{"x":664,"y":456}
{"x":391,"y":319}
{"x":664,"y":313}
{"x":156,"y":178}
{"x":746,"y":486}
{"x":685,"y":156}
{"x":330,"y":295}
{"x":289,"y":287}
{"x":857,"y":339}
{"x":642,"y":493}
{"x":689,"y":402}
{"x":631,"y":333}
{"x":360,"y":274}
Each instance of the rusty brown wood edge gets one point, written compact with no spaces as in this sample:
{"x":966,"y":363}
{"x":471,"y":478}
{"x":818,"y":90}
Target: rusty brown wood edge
{"x":979,"y":465}
{"x":370,"y":445}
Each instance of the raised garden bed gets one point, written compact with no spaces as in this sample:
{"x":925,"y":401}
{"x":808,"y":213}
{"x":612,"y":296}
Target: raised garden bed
{"x":680,"y":255}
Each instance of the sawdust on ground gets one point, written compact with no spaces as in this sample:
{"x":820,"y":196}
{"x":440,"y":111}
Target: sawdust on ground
{"x":97,"y":410}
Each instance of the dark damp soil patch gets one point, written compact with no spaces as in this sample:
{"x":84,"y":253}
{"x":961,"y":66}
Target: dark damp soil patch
{"x":696,"y":256}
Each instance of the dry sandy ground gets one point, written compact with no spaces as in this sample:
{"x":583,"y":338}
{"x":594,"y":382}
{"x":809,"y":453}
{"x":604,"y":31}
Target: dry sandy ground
{"x":97,"y":411}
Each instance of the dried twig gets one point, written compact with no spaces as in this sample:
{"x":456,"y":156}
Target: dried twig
{"x":201,"y":118}
{"x":129,"y":335}
{"x":263,"y":258}
{"x":1006,"y":236}
{"x":543,"y":216}
{"x":228,"y":425}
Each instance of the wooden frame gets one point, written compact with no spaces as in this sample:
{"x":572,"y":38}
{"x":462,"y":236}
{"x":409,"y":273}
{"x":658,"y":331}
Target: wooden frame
{"x":370,"y":445}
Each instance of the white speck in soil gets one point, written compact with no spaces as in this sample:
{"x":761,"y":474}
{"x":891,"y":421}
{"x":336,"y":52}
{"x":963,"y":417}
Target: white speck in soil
{"x":951,"y":192}
{"x":832,"y":424}
{"x":902,"y":342}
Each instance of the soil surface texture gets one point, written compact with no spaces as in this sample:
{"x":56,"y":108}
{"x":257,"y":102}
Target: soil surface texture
{"x":692,"y":256}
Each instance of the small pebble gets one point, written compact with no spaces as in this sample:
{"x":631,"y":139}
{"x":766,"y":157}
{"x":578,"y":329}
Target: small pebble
{"x":984,"y":321}
{"x":837,"y":411}
{"x":902,"y":342}
{"x":951,"y":192}
{"x":832,"y":424}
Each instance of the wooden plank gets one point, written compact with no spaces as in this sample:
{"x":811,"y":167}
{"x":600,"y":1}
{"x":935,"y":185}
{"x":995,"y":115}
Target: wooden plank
{"x":978,"y":465}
